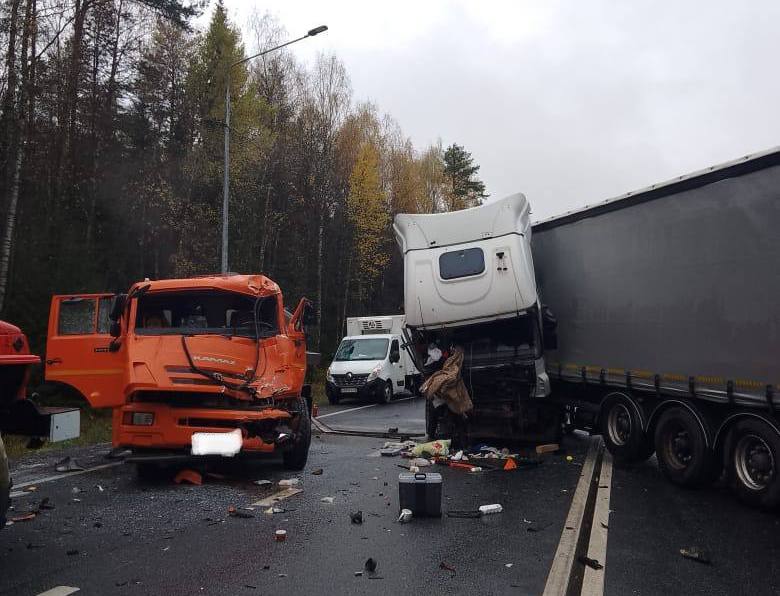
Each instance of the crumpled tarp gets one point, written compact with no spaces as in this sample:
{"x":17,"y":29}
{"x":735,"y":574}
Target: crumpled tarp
{"x":447,"y":384}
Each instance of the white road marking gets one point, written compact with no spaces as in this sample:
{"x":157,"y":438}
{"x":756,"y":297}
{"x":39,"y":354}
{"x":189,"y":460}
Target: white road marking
{"x":46,"y":479}
{"x":561,"y":571}
{"x":593,"y":580}
{"x":363,"y":407}
{"x":60,"y":591}
{"x":276,"y":497}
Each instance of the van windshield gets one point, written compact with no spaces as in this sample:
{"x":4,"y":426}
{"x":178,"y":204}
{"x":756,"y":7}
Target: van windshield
{"x":205,"y":313}
{"x":362,"y":349}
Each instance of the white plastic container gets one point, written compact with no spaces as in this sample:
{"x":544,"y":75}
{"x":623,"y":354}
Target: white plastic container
{"x":490,"y":509}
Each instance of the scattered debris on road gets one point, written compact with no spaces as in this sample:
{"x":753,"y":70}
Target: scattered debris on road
{"x":327,"y":500}
{"x":356,"y":517}
{"x":68,"y":464}
{"x":695,"y":554}
{"x":317,"y":472}
{"x":242,"y":513}
{"x":370,"y":565}
{"x":289,"y":482}
{"x":263,"y":482}
{"x":280,"y":536}
{"x":547,"y":448}
{"x":592,"y":563}
{"x":405,"y":516}
{"x":448,"y":567}
{"x":189,"y":477}
{"x":23,"y":517}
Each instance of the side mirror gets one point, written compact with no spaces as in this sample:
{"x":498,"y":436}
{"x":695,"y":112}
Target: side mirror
{"x":395,"y":356}
{"x":549,"y":328}
{"x":115,"y":329}
{"x":309,"y":315}
{"x":117,"y":307}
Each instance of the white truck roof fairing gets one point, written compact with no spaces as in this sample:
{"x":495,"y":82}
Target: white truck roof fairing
{"x":485,"y":252}
{"x":509,"y":215}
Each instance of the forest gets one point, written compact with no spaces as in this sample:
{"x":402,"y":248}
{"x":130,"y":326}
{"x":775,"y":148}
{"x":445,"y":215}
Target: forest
{"x":112,"y":116}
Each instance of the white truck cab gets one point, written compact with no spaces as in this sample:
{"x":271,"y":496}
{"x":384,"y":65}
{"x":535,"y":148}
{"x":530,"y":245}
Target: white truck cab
{"x":371,"y":362}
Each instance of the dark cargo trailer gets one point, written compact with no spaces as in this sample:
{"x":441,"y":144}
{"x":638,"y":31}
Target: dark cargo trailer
{"x":668,"y":309}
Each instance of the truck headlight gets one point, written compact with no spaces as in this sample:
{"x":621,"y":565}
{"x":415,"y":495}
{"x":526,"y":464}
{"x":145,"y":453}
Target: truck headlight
{"x":374,"y":372}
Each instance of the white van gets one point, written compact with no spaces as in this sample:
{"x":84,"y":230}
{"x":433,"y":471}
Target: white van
{"x":372,"y":362}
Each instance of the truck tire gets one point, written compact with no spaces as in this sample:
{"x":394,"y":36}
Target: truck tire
{"x":5,"y":484}
{"x":753,"y":470}
{"x":296,"y":456}
{"x":386,"y":393}
{"x":622,"y":431}
{"x":681,"y":448}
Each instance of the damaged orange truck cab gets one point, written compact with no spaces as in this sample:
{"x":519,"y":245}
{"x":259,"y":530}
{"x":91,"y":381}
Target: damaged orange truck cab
{"x":182,"y":356}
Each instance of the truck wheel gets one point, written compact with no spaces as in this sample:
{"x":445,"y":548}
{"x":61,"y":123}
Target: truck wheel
{"x":754,"y":463}
{"x":621,"y":428}
{"x":681,"y":448}
{"x":386,"y":393}
{"x":5,"y":484}
{"x":295,"y":458}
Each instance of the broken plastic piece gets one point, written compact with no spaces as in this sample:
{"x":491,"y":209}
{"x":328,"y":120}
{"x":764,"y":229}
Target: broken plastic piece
{"x":328,"y":500}
{"x":490,"y":509}
{"x":694,"y":554}
{"x":263,"y":482}
{"x":356,"y":517}
{"x":233,"y":512}
{"x":592,"y":563}
{"x":280,"y":535}
{"x":67,"y":465}
{"x":406,"y":516}
{"x":370,"y":565}
{"x":188,"y":476}
{"x":317,"y":472}
{"x":288,"y":482}
{"x":548,"y":448}
{"x":23,"y":518}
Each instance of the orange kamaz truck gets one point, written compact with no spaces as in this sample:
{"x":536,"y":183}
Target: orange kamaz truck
{"x":210,"y":366}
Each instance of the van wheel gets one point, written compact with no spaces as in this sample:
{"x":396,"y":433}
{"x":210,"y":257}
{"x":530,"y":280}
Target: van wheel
{"x":387,"y":393}
{"x":753,"y":471}
{"x":5,"y":484}
{"x":621,"y":428}
{"x":296,"y":456}
{"x":681,"y":448}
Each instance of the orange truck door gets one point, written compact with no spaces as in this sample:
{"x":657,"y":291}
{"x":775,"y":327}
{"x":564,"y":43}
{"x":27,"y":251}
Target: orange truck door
{"x":78,"y":349}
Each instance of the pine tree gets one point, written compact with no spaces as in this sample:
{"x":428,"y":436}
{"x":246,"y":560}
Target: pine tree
{"x":465,"y":189}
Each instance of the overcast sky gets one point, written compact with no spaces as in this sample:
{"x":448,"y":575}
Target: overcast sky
{"x":569,"y":102}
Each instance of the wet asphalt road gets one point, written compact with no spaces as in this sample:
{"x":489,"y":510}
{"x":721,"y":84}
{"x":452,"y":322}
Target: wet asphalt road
{"x":137,"y":538}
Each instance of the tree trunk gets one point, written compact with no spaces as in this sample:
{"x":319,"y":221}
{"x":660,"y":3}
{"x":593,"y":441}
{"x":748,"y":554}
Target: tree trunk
{"x":320,"y":229}
{"x":10,"y":224}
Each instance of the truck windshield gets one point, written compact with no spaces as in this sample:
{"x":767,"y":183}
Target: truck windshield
{"x":362,"y":349}
{"x":205,"y":313}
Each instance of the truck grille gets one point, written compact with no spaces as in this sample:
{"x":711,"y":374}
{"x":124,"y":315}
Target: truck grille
{"x":350,"y":380}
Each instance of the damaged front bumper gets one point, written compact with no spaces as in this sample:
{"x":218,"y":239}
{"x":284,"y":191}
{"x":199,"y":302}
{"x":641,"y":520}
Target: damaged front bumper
{"x":165,"y":433}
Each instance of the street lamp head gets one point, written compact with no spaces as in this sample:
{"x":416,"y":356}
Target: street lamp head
{"x":316,"y":30}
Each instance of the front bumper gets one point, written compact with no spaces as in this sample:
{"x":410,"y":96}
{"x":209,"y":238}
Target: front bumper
{"x":172,"y":428}
{"x":370,"y":389}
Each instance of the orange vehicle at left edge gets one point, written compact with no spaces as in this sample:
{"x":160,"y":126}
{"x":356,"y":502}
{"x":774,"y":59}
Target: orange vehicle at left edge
{"x":178,"y":357}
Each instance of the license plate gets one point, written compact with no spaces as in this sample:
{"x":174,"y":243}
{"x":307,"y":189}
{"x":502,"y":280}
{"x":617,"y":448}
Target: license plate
{"x":349,"y":390}
{"x":225,"y":444}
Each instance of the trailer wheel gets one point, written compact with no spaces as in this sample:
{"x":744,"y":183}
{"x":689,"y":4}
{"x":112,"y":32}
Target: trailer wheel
{"x":5,"y":484}
{"x":754,"y":463}
{"x":681,"y":448}
{"x":295,"y":458}
{"x":621,"y":428}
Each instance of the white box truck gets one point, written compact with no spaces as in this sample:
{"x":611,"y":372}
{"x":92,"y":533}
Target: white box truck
{"x":370,"y":361}
{"x":469,"y":283}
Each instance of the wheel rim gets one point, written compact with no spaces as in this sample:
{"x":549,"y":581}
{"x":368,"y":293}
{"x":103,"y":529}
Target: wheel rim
{"x":678,"y":446}
{"x":619,"y":424}
{"x":754,"y":462}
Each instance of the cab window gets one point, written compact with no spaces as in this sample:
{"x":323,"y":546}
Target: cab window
{"x":77,"y":316}
{"x":461,"y":263}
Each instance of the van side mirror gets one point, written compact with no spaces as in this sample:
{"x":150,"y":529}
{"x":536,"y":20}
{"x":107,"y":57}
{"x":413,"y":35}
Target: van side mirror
{"x":117,"y":307}
{"x":549,"y":328}
{"x":395,"y":356}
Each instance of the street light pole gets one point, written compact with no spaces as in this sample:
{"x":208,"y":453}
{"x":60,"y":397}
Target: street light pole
{"x":226,"y":179}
